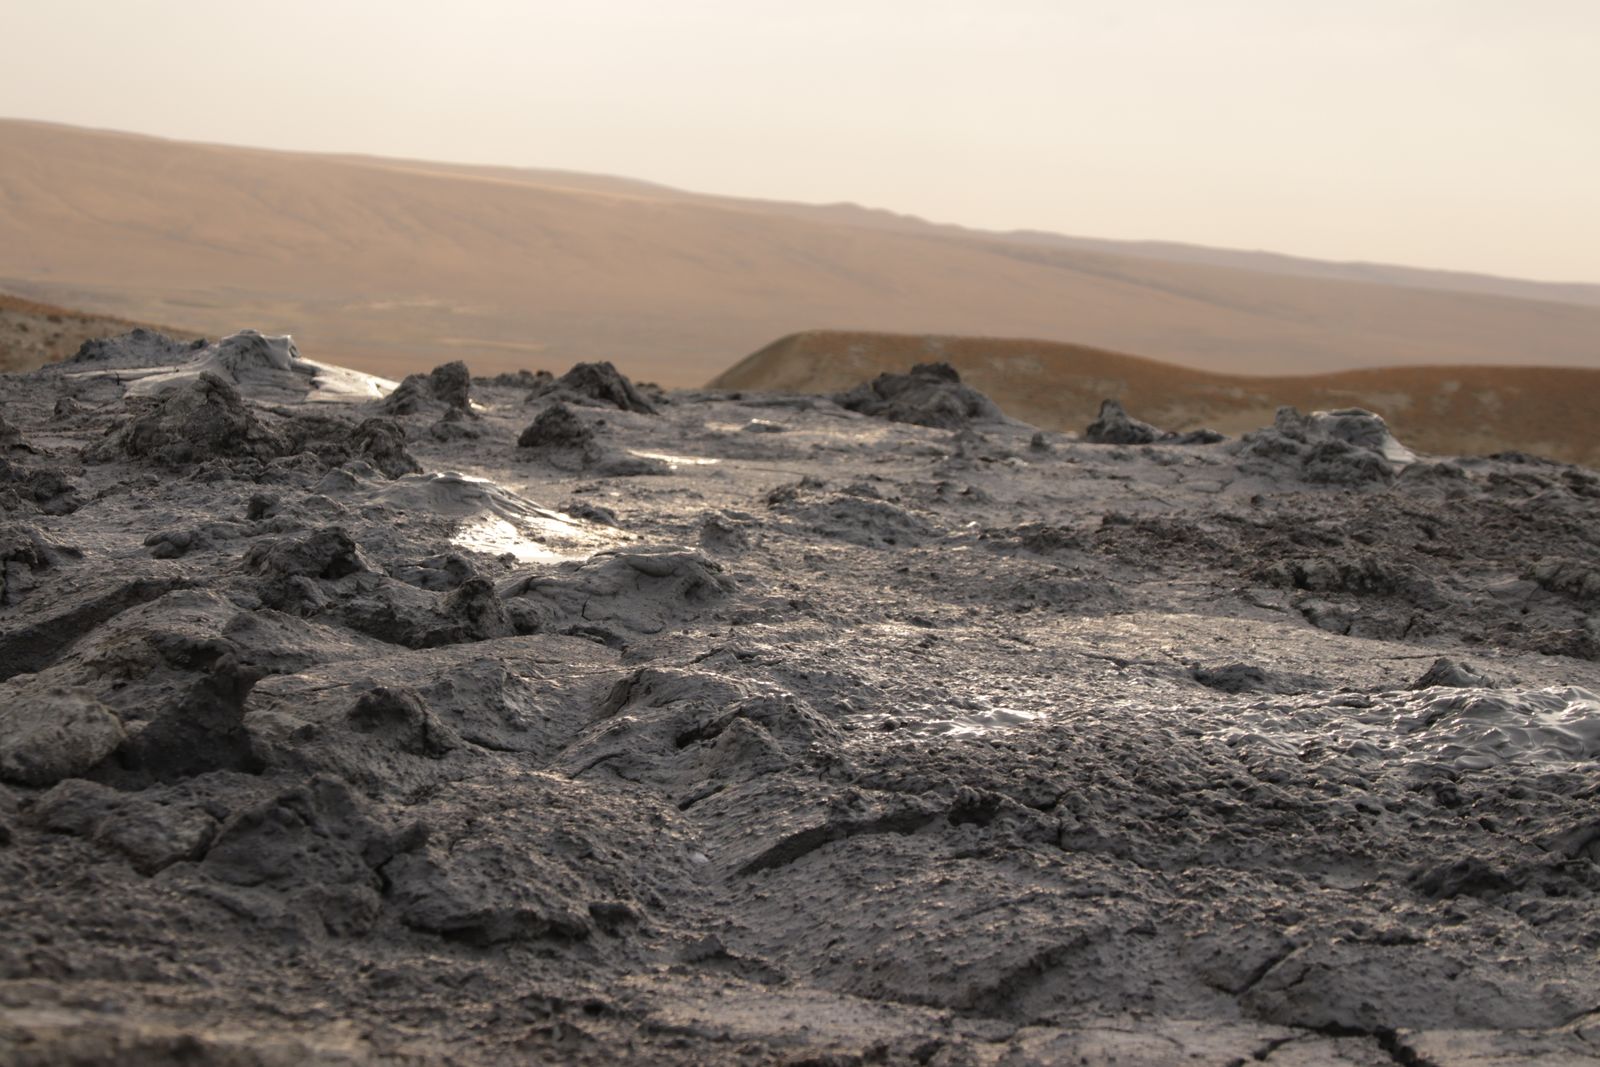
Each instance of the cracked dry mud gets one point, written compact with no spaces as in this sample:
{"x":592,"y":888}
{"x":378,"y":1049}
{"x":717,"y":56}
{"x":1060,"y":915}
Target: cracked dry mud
{"x":716,"y":728}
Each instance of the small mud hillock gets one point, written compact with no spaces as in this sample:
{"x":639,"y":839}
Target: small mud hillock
{"x":1115,"y":426}
{"x":596,"y":384}
{"x":931,"y":394}
{"x":1348,"y":446}
{"x":203,"y":419}
{"x":446,"y":388}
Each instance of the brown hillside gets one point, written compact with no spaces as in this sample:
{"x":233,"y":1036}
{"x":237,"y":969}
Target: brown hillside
{"x":1450,"y":409}
{"x":33,"y":334}
{"x":392,"y":266}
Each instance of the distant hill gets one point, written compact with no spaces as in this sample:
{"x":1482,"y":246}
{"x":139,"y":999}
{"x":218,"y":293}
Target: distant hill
{"x":1443,"y":409}
{"x":33,"y":334}
{"x":1374,"y":273}
{"x":396,"y":265}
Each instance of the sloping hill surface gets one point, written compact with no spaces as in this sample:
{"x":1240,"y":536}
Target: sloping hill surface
{"x":33,"y":334}
{"x":1442,"y":409}
{"x":392,"y":265}
{"x":1377,"y":273}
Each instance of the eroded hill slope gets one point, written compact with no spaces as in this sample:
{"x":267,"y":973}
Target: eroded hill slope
{"x":33,"y":334}
{"x":392,"y":266}
{"x":1442,"y":409}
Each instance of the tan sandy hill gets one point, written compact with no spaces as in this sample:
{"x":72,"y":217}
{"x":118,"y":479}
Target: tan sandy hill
{"x":393,"y":266}
{"x":1444,"y":409}
{"x":1375,"y":273}
{"x":33,"y":334}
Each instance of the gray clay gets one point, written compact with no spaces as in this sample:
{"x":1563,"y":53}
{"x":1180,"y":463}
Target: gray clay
{"x":557,"y":720}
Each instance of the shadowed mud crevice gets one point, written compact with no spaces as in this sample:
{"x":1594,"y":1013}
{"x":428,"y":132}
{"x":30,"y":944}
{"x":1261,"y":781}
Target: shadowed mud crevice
{"x":1012,"y":988}
{"x":32,"y":647}
{"x":1390,"y":1042}
{"x":796,"y":847}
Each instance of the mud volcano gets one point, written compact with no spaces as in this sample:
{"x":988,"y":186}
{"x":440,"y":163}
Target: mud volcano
{"x":497,"y":721}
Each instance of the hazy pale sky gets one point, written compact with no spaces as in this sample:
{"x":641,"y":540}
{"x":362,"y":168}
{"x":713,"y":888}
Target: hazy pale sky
{"x":1461,"y":134}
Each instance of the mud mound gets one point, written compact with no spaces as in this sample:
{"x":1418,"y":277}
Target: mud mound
{"x":55,"y":733}
{"x":694,"y":732}
{"x":326,"y":576}
{"x":1114,"y":426}
{"x":446,"y":388}
{"x":261,"y":367}
{"x":250,"y":352}
{"x":598,"y":384}
{"x":24,"y":551}
{"x":1450,"y":674}
{"x":638,"y":589}
{"x":328,"y":553}
{"x":556,"y":427}
{"x":200,"y":420}
{"x":1350,"y":426}
{"x":30,"y":487}
{"x":522,"y":379}
{"x":858,"y":514}
{"x":1346,"y":447}
{"x":382,"y":442}
{"x":164,"y":666}
{"x":139,"y":348}
{"x":930,"y":395}
{"x":451,"y":495}
{"x":564,"y":440}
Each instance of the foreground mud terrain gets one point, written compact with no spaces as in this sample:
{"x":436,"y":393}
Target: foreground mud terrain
{"x":563,"y":720}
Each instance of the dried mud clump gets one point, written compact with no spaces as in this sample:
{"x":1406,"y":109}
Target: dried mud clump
{"x":291,"y":568}
{"x":174,"y":544}
{"x":598,"y":384}
{"x":10,"y":436}
{"x":201,"y":420}
{"x":41,"y":488}
{"x":1115,"y":426}
{"x":448,"y":386}
{"x":249,"y":353}
{"x":55,"y":733}
{"x":1249,"y":678}
{"x":932,"y":394}
{"x":522,"y":379}
{"x":137,"y":348}
{"x":24,"y":551}
{"x":1573,"y":578}
{"x":148,"y":833}
{"x":564,"y":440}
{"x":1350,"y":446}
{"x":642,"y":589}
{"x":858,"y":514}
{"x":381,"y":441}
{"x":1452,"y":674}
{"x":557,"y":426}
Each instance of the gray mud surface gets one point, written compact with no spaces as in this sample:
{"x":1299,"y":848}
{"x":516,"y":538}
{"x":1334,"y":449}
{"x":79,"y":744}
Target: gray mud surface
{"x":709,"y":728}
